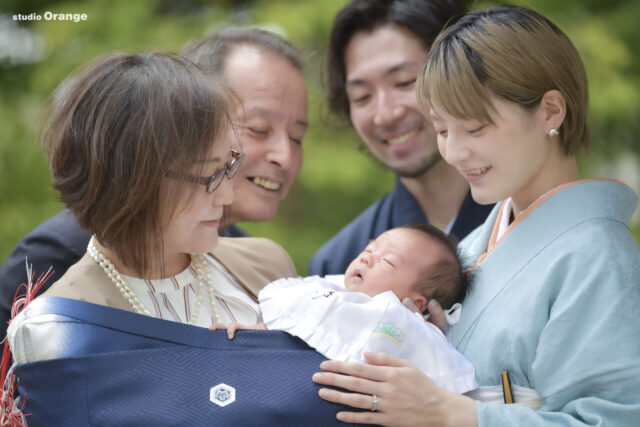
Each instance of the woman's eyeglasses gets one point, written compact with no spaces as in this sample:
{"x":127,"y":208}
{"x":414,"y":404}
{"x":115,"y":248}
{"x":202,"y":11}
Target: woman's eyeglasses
{"x":212,"y":182}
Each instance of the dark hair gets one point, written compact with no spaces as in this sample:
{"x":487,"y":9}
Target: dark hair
{"x":443,"y":280}
{"x":423,"y":18}
{"x":210,"y":53}
{"x":467,"y":64}
{"x":115,"y":129}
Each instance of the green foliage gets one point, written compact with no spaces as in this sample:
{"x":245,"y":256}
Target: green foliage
{"x":635,"y":230}
{"x":337,"y":180}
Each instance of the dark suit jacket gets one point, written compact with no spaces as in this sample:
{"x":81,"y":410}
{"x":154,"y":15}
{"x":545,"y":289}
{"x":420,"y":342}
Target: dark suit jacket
{"x":58,"y":243}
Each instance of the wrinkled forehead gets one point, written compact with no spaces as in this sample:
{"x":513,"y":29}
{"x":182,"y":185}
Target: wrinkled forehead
{"x":271,"y":90}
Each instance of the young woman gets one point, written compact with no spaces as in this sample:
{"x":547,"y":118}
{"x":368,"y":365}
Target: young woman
{"x":550,"y":323}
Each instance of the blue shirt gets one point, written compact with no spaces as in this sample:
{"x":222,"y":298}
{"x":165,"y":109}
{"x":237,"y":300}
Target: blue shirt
{"x":395,"y":209}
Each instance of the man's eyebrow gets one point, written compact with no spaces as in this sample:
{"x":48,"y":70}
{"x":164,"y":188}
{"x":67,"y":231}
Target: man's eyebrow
{"x":394,"y":69}
{"x":355,"y":82}
{"x":259,"y":111}
{"x":399,"y":66}
{"x":264,"y":112}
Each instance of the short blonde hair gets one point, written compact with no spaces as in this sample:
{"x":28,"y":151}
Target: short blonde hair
{"x":511,"y":52}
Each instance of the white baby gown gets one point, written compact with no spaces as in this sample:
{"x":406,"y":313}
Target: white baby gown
{"x":343,"y":325}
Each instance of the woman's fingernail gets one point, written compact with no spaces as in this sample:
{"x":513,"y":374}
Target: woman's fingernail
{"x":433,"y":303}
{"x":317,"y":376}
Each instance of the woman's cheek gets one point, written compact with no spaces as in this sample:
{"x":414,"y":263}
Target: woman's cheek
{"x":442,"y":146}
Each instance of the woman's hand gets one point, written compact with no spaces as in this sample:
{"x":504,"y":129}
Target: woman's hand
{"x":406,"y":397}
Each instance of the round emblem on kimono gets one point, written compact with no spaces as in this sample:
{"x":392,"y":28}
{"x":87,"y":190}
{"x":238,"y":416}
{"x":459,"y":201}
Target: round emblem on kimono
{"x":222,"y":394}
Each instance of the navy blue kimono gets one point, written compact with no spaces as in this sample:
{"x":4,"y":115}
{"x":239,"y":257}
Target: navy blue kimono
{"x":117,"y":368}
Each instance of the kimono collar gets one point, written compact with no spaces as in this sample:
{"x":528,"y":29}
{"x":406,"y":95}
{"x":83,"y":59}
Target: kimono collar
{"x":615,"y":200}
{"x":545,"y":220}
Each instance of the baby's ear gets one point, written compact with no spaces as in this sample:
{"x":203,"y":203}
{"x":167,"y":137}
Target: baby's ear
{"x":420,"y":301}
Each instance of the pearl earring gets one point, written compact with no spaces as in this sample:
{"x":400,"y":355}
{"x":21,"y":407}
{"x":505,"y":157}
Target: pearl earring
{"x":553,"y":132}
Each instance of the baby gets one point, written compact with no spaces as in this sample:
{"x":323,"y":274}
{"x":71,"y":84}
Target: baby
{"x":343,"y":316}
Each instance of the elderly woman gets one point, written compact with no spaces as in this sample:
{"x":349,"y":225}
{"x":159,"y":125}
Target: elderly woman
{"x":270,"y":129}
{"x":141,"y":148}
{"x":551,"y":321}
{"x":141,"y":151}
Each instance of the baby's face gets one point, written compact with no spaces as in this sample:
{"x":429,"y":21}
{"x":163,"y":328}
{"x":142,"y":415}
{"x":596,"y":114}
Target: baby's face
{"x":393,"y":262}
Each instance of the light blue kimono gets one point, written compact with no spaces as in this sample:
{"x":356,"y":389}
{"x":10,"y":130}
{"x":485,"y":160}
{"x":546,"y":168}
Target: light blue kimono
{"x":557,"y":304}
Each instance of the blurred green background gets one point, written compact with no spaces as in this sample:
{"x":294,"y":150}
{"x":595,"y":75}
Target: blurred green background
{"x":338,"y":179}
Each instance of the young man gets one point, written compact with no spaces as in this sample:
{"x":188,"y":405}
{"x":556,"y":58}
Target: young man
{"x":265,"y":72}
{"x":376,"y":51}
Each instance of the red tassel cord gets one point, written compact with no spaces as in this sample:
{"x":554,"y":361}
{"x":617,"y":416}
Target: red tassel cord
{"x":10,"y":414}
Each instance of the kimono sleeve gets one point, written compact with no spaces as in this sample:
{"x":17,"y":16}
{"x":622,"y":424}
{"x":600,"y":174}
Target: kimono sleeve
{"x":587,"y":363}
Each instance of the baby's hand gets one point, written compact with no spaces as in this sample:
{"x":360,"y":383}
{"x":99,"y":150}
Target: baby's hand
{"x":216,"y":326}
{"x":232,"y":328}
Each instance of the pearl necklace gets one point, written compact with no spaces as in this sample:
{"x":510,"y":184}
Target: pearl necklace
{"x":201,"y":272}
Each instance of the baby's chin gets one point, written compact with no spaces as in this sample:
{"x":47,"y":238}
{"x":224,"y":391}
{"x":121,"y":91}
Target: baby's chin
{"x":353,"y":283}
